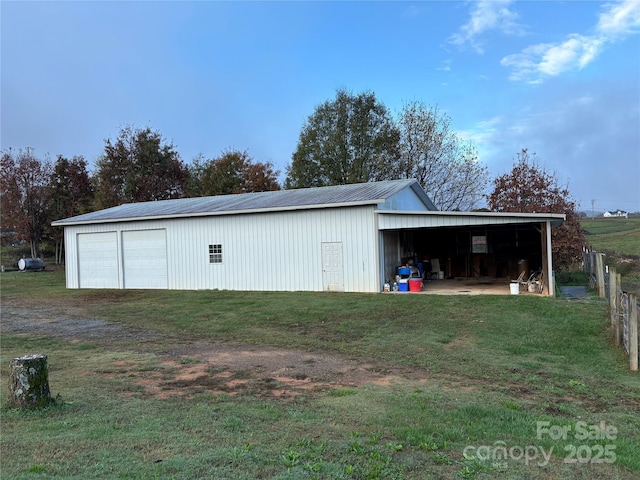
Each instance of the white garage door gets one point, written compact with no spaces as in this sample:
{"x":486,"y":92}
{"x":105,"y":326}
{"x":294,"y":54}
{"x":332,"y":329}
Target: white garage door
{"x":144,"y":254}
{"x":98,"y":260}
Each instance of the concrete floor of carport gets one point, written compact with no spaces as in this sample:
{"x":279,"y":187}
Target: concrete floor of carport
{"x":467,"y":286}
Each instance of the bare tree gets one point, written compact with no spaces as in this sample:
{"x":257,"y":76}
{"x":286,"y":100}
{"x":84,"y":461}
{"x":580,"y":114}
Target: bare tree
{"x":431,"y":152}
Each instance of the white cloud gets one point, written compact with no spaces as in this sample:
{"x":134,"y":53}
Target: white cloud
{"x":485,"y":16}
{"x":547,"y":59}
{"x":536,"y":62}
{"x":620,"y":19}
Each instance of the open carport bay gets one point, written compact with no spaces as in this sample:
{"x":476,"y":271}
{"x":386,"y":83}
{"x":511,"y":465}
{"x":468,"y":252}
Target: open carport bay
{"x":479,"y":257}
{"x":489,"y":251}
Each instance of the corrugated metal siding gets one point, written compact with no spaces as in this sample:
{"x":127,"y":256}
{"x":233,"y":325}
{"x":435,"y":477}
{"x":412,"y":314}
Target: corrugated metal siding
{"x":405,"y":199}
{"x":71,"y":258}
{"x":391,"y":242}
{"x":278,"y":251}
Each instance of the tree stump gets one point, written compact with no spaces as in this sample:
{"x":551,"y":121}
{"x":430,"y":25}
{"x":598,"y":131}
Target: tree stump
{"x":29,"y":382}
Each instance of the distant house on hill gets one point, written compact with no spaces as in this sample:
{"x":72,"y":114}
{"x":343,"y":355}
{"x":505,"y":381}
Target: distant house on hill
{"x":617,"y":213}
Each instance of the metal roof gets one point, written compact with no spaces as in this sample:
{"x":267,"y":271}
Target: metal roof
{"x":392,"y":220}
{"x":296,"y":199}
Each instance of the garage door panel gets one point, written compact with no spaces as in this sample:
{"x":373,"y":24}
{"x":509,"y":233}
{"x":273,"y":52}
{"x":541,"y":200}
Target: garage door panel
{"x":98,"y":260}
{"x":145,"y":258}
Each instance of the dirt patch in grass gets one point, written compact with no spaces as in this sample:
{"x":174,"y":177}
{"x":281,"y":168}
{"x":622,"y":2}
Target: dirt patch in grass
{"x":236,"y":369}
{"x":189,"y":368}
{"x":186,"y":367}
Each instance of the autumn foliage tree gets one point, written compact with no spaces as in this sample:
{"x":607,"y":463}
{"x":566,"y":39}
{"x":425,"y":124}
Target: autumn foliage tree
{"x":137,"y":167}
{"x":71,"y":193}
{"x":260,"y":177}
{"x":232,"y":172}
{"x":529,"y":188}
{"x":24,"y":195}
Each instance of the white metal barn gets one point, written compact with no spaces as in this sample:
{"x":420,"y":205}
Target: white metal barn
{"x":341,"y":238}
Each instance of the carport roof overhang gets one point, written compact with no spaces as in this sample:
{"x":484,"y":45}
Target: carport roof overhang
{"x":398,"y":220}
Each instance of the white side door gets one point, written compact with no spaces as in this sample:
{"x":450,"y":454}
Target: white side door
{"x":332,"y":268}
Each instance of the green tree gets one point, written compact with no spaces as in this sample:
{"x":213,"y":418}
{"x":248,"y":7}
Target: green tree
{"x":137,"y":167}
{"x":232,"y":172}
{"x":529,"y":188}
{"x":350,"y":139}
{"x":446,"y":167}
{"x":71,"y":193}
{"x":24,"y":196}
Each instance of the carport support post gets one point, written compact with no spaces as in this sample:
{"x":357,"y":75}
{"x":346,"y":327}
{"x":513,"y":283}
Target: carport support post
{"x":547,"y":265}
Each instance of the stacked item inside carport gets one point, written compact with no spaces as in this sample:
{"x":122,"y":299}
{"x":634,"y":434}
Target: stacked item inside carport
{"x":409,"y":279}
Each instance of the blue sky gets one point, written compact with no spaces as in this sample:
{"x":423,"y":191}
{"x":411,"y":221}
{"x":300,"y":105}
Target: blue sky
{"x":559,"y":78}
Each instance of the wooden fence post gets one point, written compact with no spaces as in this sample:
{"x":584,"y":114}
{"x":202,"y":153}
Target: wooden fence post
{"x":613,"y":297}
{"x":633,"y":333}
{"x":618,"y":328}
{"x":600,"y":274}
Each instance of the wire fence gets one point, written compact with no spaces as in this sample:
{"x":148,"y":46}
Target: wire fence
{"x":623,"y":306}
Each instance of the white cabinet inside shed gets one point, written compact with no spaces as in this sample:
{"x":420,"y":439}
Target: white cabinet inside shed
{"x":98,"y":260}
{"x":144,"y":254}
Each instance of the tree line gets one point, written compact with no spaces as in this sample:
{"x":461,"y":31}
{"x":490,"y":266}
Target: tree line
{"x":352,"y":138}
{"x":138,"y":166}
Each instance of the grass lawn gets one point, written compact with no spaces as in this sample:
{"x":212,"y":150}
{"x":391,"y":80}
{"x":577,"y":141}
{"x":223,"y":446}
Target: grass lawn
{"x":614,"y":235}
{"x":619,"y":239}
{"x":475,"y":378}
{"x":604,"y":226}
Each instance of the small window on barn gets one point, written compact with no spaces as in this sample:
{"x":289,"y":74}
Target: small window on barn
{"x":215,"y":253}
{"x":479,"y":244}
